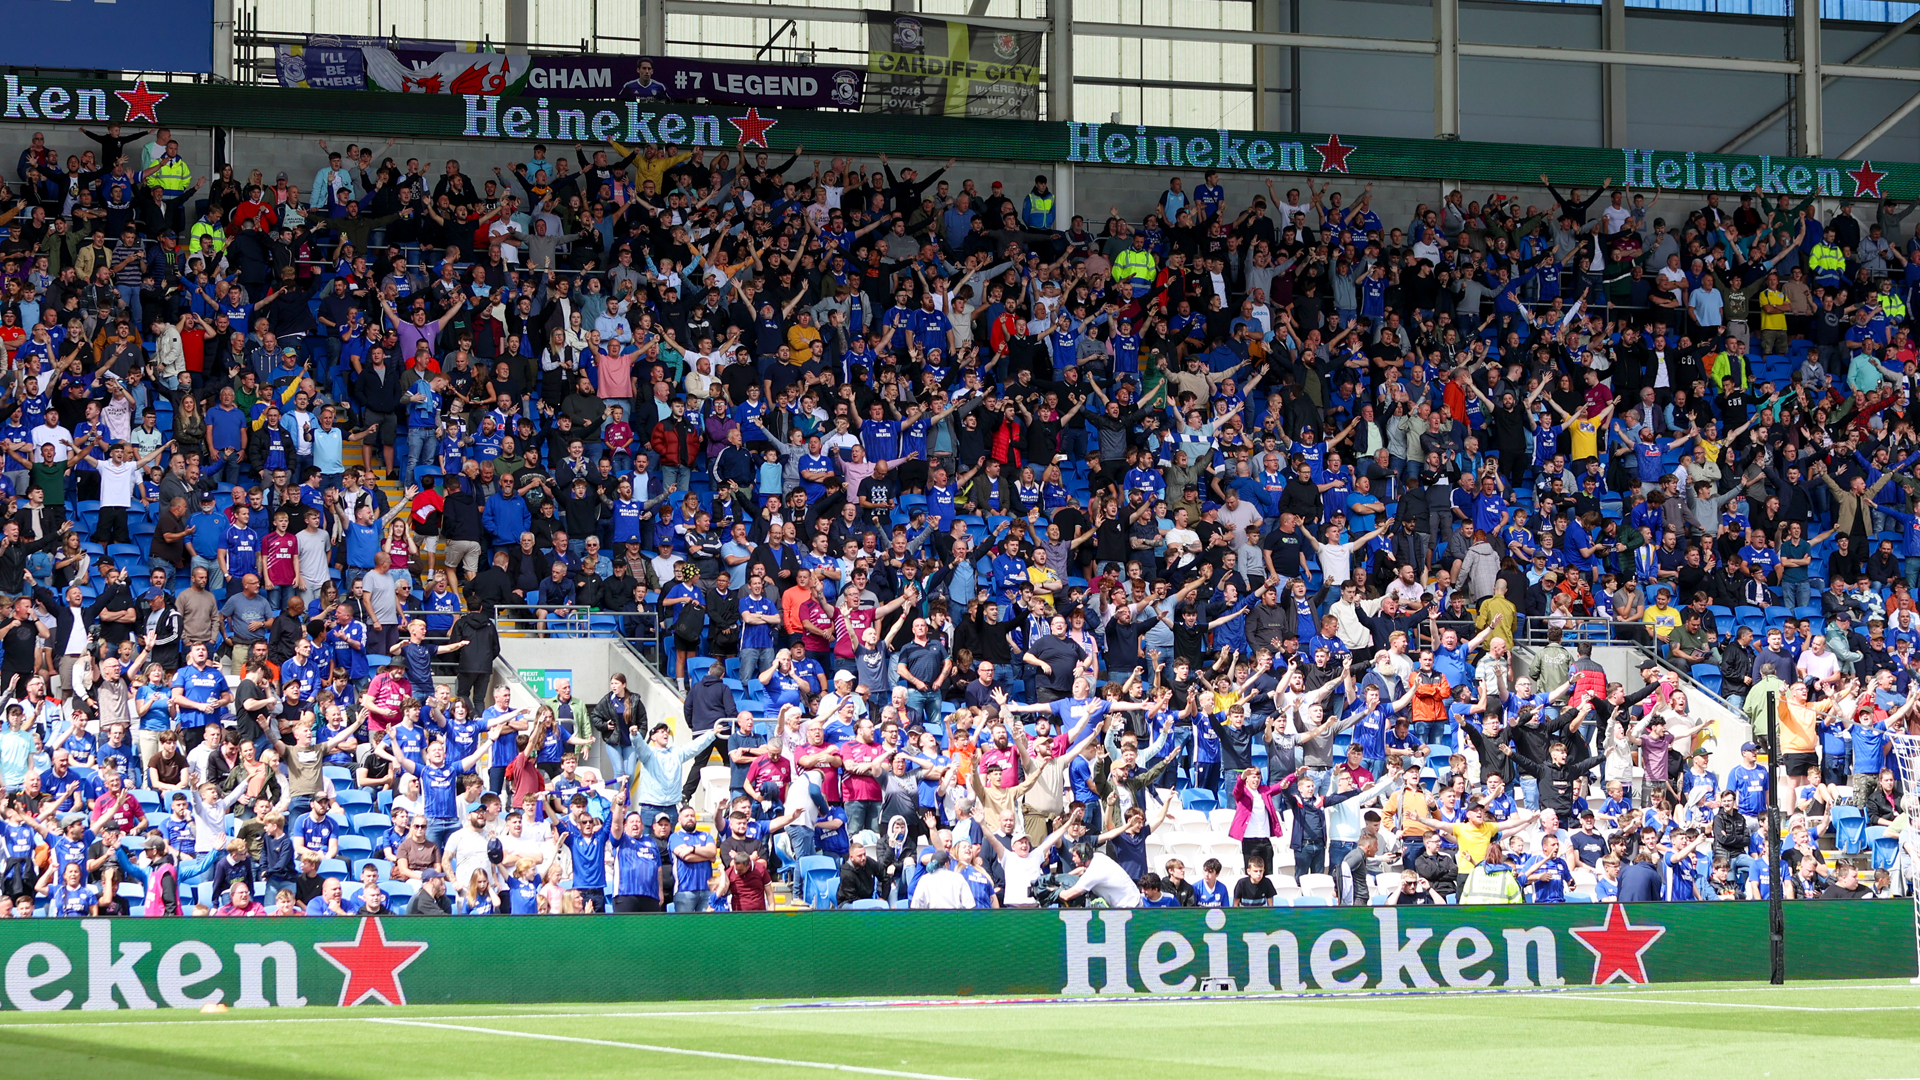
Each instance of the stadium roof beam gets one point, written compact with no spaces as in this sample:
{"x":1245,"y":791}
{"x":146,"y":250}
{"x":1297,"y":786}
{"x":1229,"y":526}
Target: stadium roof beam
{"x":1874,"y":133}
{"x":1809,"y":135}
{"x":1873,"y":48}
{"x":1446,"y":69}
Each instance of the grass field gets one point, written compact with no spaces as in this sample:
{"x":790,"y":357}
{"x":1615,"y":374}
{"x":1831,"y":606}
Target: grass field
{"x":1850,"y":1031}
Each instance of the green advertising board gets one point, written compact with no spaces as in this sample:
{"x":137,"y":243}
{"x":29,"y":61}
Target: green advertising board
{"x":96,"y":964}
{"x":721,"y":127}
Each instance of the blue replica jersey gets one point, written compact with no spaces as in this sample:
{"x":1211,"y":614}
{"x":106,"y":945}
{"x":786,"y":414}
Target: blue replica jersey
{"x":1550,"y":890}
{"x":242,"y":546}
{"x":315,"y":835}
{"x":201,"y":685}
{"x":881,"y":439}
{"x":436,"y":784}
{"x":1749,"y":787}
{"x":690,"y":875}
{"x":20,"y":840}
{"x":1214,"y":895}
{"x":636,"y":863}
{"x":179,"y":835}
{"x":589,"y":855}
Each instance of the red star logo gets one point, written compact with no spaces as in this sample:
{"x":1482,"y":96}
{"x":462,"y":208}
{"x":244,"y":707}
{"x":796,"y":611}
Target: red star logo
{"x":753,"y":128}
{"x":1619,"y":948}
{"x":141,"y":102}
{"x":371,"y":963}
{"x":1866,"y":181}
{"x":1333,"y":154}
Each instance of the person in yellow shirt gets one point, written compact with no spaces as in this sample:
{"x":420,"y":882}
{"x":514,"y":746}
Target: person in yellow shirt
{"x":1474,"y":834}
{"x":1583,"y":430}
{"x":651,"y":163}
{"x":1498,"y":612}
{"x":1773,"y":318}
{"x":1662,"y":616}
{"x":803,"y":338}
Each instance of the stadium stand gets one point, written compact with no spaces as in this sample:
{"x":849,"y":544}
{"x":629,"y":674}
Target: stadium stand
{"x":1247,"y":549}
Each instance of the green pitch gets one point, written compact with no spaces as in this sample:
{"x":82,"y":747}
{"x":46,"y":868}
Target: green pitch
{"x":1858,"y":1031}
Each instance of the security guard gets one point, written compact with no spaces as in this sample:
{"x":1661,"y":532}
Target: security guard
{"x":170,"y":173}
{"x":1891,"y":306}
{"x":1829,"y":264}
{"x":1135,"y":267}
{"x":1036,"y":212}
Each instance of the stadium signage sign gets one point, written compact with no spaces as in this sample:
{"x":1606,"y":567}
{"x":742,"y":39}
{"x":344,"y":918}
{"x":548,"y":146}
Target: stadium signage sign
{"x":720,"y":127}
{"x":1350,"y":956}
{"x":106,"y":964}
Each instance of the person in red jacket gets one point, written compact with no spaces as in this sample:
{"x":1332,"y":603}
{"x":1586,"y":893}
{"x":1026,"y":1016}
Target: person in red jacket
{"x":677,"y":440}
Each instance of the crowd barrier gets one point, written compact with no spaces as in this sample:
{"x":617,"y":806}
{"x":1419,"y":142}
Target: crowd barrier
{"x":105,"y":964}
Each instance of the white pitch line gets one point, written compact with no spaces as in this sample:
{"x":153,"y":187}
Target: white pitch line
{"x":1621,"y":993}
{"x":649,"y":1048}
{"x":1745,"y":1004}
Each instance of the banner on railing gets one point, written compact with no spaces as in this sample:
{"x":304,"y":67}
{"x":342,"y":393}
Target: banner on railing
{"x":333,"y":63}
{"x":429,"y":67}
{"x":96,"y":964}
{"x":918,"y":66}
{"x":664,"y":78}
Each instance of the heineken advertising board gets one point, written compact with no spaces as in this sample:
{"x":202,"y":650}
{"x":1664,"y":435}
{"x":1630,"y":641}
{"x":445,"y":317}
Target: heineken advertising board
{"x":733,"y":128}
{"x":105,"y":964}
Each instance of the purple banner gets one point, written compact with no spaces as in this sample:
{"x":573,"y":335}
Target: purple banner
{"x":773,"y":86}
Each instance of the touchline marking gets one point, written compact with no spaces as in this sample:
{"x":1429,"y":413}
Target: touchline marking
{"x":649,"y":1048}
{"x":1618,"y":993}
{"x":1748,"y":1004}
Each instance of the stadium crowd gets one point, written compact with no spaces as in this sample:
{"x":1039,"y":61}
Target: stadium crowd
{"x":993,"y":550}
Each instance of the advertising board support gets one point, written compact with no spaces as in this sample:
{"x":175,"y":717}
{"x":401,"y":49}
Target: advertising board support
{"x":1776,"y":916}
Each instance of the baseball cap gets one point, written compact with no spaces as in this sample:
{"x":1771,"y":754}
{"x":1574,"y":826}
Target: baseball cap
{"x":1746,"y":746}
{"x":433,"y":875}
{"x":662,"y":816}
{"x":997,"y":185}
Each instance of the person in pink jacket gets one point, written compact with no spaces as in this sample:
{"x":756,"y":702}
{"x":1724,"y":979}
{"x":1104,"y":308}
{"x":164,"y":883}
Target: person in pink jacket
{"x":1255,"y":820}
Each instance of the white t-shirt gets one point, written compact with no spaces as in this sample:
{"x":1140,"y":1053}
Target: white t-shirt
{"x":116,"y":482}
{"x":1105,"y":879}
{"x":1336,"y":562}
{"x":946,"y":890}
{"x":1817,"y":665}
{"x":466,"y":852}
{"x":55,"y":434}
{"x":1020,"y":873}
{"x":1182,"y":539}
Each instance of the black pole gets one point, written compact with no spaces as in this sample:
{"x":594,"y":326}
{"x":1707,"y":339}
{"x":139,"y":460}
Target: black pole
{"x":1776,"y":916}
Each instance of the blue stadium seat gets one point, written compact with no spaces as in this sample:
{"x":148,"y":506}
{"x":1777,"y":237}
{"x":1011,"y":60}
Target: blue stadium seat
{"x":1708,"y":676}
{"x":333,"y":868}
{"x":1886,"y":849}
{"x":820,"y":880}
{"x":1850,"y":829}
{"x":381,"y":865}
{"x":868,"y":905}
{"x":371,"y":825}
{"x":351,"y":846}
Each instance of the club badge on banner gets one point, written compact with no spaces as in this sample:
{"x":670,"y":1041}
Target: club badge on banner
{"x":931,"y":67}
